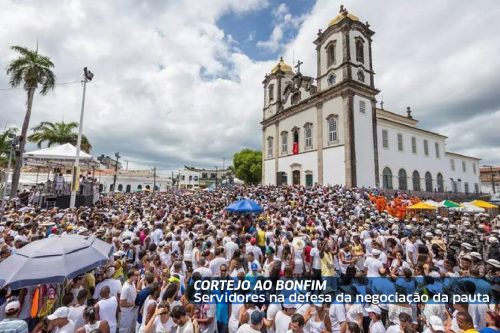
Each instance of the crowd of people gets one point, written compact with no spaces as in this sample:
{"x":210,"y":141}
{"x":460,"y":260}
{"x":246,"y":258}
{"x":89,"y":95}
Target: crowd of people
{"x":358,"y":240}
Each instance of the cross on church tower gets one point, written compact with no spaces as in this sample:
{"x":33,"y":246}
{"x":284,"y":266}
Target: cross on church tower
{"x":298,"y":65}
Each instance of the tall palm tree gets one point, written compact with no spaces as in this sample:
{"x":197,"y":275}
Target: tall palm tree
{"x":58,"y":133}
{"x":30,"y":69}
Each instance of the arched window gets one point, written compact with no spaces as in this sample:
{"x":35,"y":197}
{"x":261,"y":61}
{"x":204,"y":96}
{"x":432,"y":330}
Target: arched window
{"x":440,"y":183}
{"x":361,"y":75}
{"x":387,"y":178}
{"x":428,"y":182}
{"x":332,"y":79}
{"x":139,"y":187}
{"x":360,"y":53}
{"x":331,"y":49}
{"x":284,"y":143}
{"x":148,"y":187}
{"x":332,"y":128}
{"x":120,"y":187}
{"x":308,"y":136}
{"x":128,"y":188}
{"x":271,"y":92}
{"x":111,"y":188}
{"x":403,"y":184}
{"x":270,"y":147}
{"x":416,"y":181}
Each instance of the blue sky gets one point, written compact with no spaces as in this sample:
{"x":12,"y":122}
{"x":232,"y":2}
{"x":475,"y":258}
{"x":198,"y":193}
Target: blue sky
{"x":248,"y":28}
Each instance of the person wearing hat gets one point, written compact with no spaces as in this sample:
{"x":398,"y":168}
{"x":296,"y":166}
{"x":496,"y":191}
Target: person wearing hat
{"x":284,"y":318}
{"x":255,"y":325}
{"x":12,"y":323}
{"x":60,"y":321}
{"x":434,"y":325}
{"x":375,"y":314}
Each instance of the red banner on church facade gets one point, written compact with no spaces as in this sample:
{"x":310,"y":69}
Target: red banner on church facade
{"x":295,"y":148}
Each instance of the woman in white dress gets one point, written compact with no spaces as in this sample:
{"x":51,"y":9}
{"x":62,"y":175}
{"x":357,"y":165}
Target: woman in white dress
{"x":298,"y":257}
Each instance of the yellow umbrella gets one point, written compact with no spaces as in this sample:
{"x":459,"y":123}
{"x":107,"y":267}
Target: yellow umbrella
{"x":147,"y":190}
{"x":422,"y":206}
{"x":483,"y":204}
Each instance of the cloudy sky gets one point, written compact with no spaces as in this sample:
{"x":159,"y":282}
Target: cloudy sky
{"x":180,"y":81}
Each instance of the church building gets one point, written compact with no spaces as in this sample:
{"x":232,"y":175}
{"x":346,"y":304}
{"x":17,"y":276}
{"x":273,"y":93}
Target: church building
{"x":328,"y":129}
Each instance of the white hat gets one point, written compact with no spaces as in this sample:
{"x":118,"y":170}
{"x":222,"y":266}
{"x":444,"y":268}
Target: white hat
{"x":289,"y":306}
{"x":61,"y":312}
{"x":119,"y":253}
{"x":376,"y":252}
{"x":493,"y":262}
{"x":492,"y":239}
{"x":466,"y":245}
{"x":12,"y":306}
{"x":374,"y":308}
{"x":475,"y":255}
{"x":428,"y":234}
{"x":436,"y":323}
{"x":127,"y":241}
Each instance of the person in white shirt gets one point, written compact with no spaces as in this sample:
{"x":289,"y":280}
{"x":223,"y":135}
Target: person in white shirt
{"x":337,"y":317}
{"x":157,"y":233}
{"x":59,"y":321}
{"x":76,"y":311}
{"x":203,"y":270}
{"x":256,"y":323}
{"x":316,"y":260}
{"x":375,"y":314}
{"x":404,"y":321}
{"x":127,"y":303}
{"x":218,"y":261}
{"x":411,"y":251}
{"x":230,"y":247}
{"x":183,"y":322}
{"x":373,"y":264}
{"x":284,"y":317}
{"x":107,"y":308}
{"x":114,"y":285}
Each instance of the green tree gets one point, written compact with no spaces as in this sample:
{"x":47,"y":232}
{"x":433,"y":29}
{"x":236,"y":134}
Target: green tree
{"x":5,"y":145}
{"x":248,"y":166}
{"x":30,"y":70}
{"x":58,"y":133}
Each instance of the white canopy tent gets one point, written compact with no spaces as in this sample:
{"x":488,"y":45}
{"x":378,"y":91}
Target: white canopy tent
{"x":64,"y":154}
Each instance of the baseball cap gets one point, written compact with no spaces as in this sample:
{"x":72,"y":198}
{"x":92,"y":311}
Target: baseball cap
{"x":436,"y":323}
{"x":374,"y":308}
{"x":12,"y":307}
{"x":61,"y":312}
{"x":254,"y":266}
{"x":256,"y":317}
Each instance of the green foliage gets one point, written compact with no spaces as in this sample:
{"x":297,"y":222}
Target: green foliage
{"x":248,"y":166}
{"x":58,"y":133}
{"x":5,"y":145}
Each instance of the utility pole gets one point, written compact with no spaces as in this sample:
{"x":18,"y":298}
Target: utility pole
{"x":224,"y":171}
{"x":87,"y":77}
{"x":126,"y":167}
{"x":13,"y":146}
{"x":117,"y":155}
{"x":216,"y":171}
{"x":154,"y":179}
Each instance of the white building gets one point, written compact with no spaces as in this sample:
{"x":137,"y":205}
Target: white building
{"x":189,"y":178}
{"x":332,"y":132}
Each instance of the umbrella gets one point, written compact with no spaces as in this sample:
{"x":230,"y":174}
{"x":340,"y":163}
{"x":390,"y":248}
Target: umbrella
{"x":448,"y":204}
{"x":422,"y":206}
{"x":432,"y":203}
{"x":469,"y":208}
{"x":244,"y":206}
{"x":483,"y":204}
{"x":52,"y":260}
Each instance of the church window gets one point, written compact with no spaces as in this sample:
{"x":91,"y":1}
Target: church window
{"x":400,"y":142}
{"x":426,"y":148}
{"x":416,"y":181}
{"x":385,"y":139}
{"x":387,"y":178}
{"x":332,"y":79}
{"x":474,"y":168}
{"x":439,"y":181}
{"x":332,"y":129}
{"x":284,"y":143}
{"x":308,"y":135}
{"x":466,"y":188}
{"x":476,"y":187}
{"x":362,"y":106}
{"x":360,"y":54}
{"x":361,"y":75}
{"x":295,"y":133}
{"x":296,"y":97}
{"x":413,"y":145}
{"x":403,"y":185}
{"x":271,"y":92}
{"x":455,"y":185}
{"x":428,"y":182}
{"x":309,"y":179}
{"x":331,"y":53}
{"x":452,"y":164}
{"x":464,"y":169}
{"x":270,"y":147}
{"x":437,"y":149}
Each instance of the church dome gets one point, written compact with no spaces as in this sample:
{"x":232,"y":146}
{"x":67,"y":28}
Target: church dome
{"x":342,"y":15}
{"x":283,"y":66}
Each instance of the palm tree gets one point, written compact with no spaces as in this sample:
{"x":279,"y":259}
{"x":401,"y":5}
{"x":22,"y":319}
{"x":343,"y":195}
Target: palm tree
{"x":5,"y":144}
{"x":58,"y":133}
{"x":30,"y":69}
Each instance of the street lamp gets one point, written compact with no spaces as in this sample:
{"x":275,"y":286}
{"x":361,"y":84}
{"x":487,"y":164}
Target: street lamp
{"x":87,"y":77}
{"x":492,"y":177}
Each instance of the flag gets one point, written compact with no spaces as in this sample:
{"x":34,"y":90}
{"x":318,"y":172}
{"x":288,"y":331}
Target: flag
{"x":295,"y":148}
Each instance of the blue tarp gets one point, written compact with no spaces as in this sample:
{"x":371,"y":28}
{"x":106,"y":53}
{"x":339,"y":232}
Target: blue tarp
{"x":244,"y":206}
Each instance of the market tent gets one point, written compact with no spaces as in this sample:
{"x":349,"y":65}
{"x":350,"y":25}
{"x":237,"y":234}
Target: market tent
{"x":244,"y":206}
{"x":432,"y":203}
{"x":448,"y":204}
{"x":53,"y":260}
{"x":467,"y":207}
{"x":483,"y":204}
{"x":64,"y":154}
{"x":422,"y":206}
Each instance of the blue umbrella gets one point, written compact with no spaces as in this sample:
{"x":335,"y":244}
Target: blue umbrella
{"x":244,"y":206}
{"x":52,"y":260}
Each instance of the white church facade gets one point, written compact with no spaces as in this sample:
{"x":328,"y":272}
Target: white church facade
{"x":328,"y":129}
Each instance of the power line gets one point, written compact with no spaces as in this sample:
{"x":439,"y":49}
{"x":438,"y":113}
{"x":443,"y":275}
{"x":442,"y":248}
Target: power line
{"x":57,"y":84}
